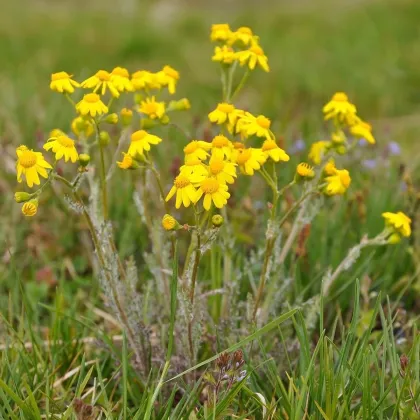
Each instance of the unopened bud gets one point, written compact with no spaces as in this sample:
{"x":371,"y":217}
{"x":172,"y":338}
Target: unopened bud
{"x":147,"y":123}
{"x":104,"y":138}
{"x":30,"y":208}
{"x":21,"y":196}
{"x":395,"y":238}
{"x":217,"y":220}
{"x":112,"y":118}
{"x":169,"y":222}
{"x":84,"y":159}
{"x":181,"y":105}
{"x":126,"y":116}
{"x":165,"y":119}
{"x":341,"y":150}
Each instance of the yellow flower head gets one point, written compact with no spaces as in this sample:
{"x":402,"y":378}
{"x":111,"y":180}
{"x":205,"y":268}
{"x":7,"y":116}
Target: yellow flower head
{"x":317,"y":151}
{"x":169,"y":222}
{"x":197,"y":149}
{"x":128,"y":162}
{"x":62,"y":82}
{"x":223,"y":171}
{"x":143,"y":79}
{"x":220,"y":32}
{"x":338,"y":137}
{"x":304,"y":170}
{"x":185,"y":192}
{"x":30,"y":164}
{"x":101,"y":81}
{"x":222,"y":146}
{"x":194,"y":168}
{"x":120,"y":78}
{"x":329,"y":168}
{"x":224,"y":54}
{"x":224,"y":112}
{"x":249,"y":125}
{"x":30,"y":208}
{"x":140,"y":141}
{"x":242,"y":36}
{"x":126,"y":116}
{"x":151,"y":108}
{"x":338,"y":183}
{"x":169,"y":77}
{"x":273,"y":151}
{"x":339,"y":107}
{"x":82,"y":126}
{"x":249,"y":160}
{"x":56,"y":132}
{"x":253,"y":56}
{"x":62,"y":146}
{"x":92,"y":105}
{"x":213,"y":191}
{"x":399,"y":222}
{"x":363,"y":130}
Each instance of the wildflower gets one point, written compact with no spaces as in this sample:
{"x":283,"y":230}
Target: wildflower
{"x":82,"y":125}
{"x":398,"y":222}
{"x":152,"y":109}
{"x":56,"y":132}
{"x":194,"y":168}
{"x":250,"y":125}
{"x":169,"y":222}
{"x":222,"y":146}
{"x":249,"y":160}
{"x":142,"y":80}
{"x":92,"y":105}
{"x":213,"y":191}
{"x":126,"y":116}
{"x":101,"y":81}
{"x":30,"y":164}
{"x":243,"y":35}
{"x":21,"y":196}
{"x":62,"y":146}
{"x":329,"y":168}
{"x":220,"y":32}
{"x":140,"y":141}
{"x":317,"y":151}
{"x":394,"y":148}
{"x":62,"y":82}
{"x":339,"y":107}
{"x":197,"y":148}
{"x":363,"y":130}
{"x":252,"y":57}
{"x":104,"y":138}
{"x":224,"y":54}
{"x":273,"y":151}
{"x":30,"y":208}
{"x":112,"y":118}
{"x":120,"y":78}
{"x":224,"y":112}
{"x":217,"y":220}
{"x":223,"y":171}
{"x":84,"y":159}
{"x":169,"y":77}
{"x":185,"y":192}
{"x":338,"y":137}
{"x":338,"y":183}
{"x":304,"y":170}
{"x":128,"y":162}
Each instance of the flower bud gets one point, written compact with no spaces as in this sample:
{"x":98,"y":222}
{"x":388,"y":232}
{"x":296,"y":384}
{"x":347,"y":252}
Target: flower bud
{"x":30,"y":208}
{"x":304,"y":172}
{"x":217,"y":220}
{"x":21,"y":196}
{"x":56,"y":132}
{"x":181,"y":105}
{"x":165,"y":119}
{"x":170,"y":223}
{"x":84,"y":159}
{"x":395,"y":238}
{"x":404,"y":362}
{"x":126,"y":116}
{"x":128,"y":162}
{"x":104,"y":138}
{"x":341,"y":150}
{"x":112,"y":118}
{"x":147,"y":123}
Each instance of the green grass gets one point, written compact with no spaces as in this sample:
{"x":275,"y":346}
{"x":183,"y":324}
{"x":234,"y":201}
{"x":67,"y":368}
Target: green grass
{"x":63,"y":351}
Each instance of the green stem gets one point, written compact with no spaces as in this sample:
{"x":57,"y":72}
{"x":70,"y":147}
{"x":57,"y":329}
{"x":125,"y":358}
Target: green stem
{"x":241,"y":84}
{"x":102,"y":174}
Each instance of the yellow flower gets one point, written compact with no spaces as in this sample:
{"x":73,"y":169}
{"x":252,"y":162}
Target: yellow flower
{"x":62,"y":146}
{"x":222,"y":146}
{"x":120,"y":78}
{"x":213,"y":191}
{"x":169,"y":222}
{"x":92,"y":105}
{"x":304,"y":170}
{"x":338,"y":183}
{"x":224,"y":54}
{"x":30,"y":164}
{"x":144,"y":79}
{"x":249,"y":160}
{"x":339,"y":107}
{"x":30,"y":208}
{"x":224,"y":112}
{"x":140,"y":141}
{"x":197,"y":149}
{"x":185,"y":192}
{"x":317,"y":151}
{"x":338,"y":137}
{"x":126,"y":116}
{"x":329,"y":168}
{"x":399,"y":222}
{"x":223,"y":171}
{"x":220,"y":32}
{"x":250,"y":125}
{"x":56,"y":132}
{"x":273,"y":151}
{"x":81,"y":125}
{"x":128,"y":162}
{"x":194,"y":168}
{"x":152,"y":109}
{"x":363,"y":130}
{"x":101,"y":80}
{"x":252,"y":57}
{"x":62,"y":82}
{"x":169,"y":77}
{"x":244,"y":35}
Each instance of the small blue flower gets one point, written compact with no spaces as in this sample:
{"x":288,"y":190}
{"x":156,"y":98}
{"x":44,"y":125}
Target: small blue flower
{"x":298,"y":146}
{"x":394,"y":148}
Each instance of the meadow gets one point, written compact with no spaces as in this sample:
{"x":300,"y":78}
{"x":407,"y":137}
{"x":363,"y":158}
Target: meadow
{"x":291,"y":297}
